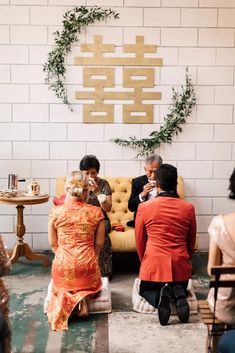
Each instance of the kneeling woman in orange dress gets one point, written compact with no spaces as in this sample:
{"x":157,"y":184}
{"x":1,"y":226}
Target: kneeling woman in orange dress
{"x":76,"y":234}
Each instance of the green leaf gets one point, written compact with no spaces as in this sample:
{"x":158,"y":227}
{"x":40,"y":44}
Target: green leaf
{"x":74,"y":21}
{"x":180,"y":108}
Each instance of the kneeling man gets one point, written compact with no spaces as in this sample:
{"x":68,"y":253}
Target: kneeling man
{"x":165,"y":231}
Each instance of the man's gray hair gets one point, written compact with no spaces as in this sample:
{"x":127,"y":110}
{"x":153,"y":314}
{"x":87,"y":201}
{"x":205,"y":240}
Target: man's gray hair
{"x":153,"y":158}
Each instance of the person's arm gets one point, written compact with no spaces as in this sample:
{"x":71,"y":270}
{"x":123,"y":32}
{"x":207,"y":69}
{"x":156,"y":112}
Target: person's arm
{"x":104,"y":195}
{"x":140,"y":234}
{"x":215,"y":255}
{"x":191,"y":239}
{"x":105,"y":202}
{"x":99,"y":237}
{"x":52,"y":235}
{"x":134,"y":200}
{"x":5,"y":263}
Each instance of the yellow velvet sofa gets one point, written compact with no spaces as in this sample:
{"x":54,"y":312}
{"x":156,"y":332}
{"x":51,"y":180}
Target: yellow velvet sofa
{"x":121,"y":188}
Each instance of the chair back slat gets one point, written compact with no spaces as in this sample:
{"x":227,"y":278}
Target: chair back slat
{"x":222,"y":284}
{"x":220,"y":270}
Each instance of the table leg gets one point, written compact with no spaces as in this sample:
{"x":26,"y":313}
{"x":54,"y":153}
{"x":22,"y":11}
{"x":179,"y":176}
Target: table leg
{"x":22,"y":248}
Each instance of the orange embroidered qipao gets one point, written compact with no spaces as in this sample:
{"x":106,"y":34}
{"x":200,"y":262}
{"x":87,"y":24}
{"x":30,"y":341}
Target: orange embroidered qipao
{"x":75,"y":269}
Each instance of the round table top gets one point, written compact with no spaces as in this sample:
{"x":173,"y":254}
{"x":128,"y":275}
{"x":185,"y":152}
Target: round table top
{"x":22,"y":198}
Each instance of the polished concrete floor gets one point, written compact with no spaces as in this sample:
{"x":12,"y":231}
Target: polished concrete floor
{"x":122,"y":331}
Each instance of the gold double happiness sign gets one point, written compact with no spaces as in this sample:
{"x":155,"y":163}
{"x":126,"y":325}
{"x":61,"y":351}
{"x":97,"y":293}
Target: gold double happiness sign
{"x":137,"y":73}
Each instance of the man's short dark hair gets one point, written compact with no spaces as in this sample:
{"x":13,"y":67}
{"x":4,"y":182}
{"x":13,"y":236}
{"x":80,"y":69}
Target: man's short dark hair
{"x":166,"y":176}
{"x":89,"y":161}
{"x":232,"y":185}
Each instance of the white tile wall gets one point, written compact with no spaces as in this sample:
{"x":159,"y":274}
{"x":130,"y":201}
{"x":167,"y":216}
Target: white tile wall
{"x":226,"y":18}
{"x":48,"y":169}
{"x":213,"y":151}
{"x":4,"y":34}
{"x":29,"y":2}
{"x":27,"y":74}
{"x":222,"y":205}
{"x":66,"y":2}
{"x":217,"y":114}
{"x":5,"y":150}
{"x":179,"y":3}
{"x":5,"y":73}
{"x":216,"y":3}
{"x":215,"y":75}
{"x":198,"y":132}
{"x":205,"y":94}
{"x":224,"y":133}
{"x":225,"y":56}
{"x":146,"y":3}
{"x":197,"y":56}
{"x":85,"y":132}
{"x":30,"y":112}
{"x":18,"y":93}
{"x":174,"y":37}
{"x":28,"y":35}
{"x":214,"y":37}
{"x":20,"y":167}
{"x":67,"y":150}
{"x":14,"y":15}
{"x":48,"y":132}
{"x":195,"y":169}
{"x":30,"y":150}
{"x":14,"y":131}
{"x":161,"y":17}
{"x":203,"y":223}
{"x":224,"y":94}
{"x":199,"y":17}
{"x":13,"y":54}
{"x":129,"y":16}
{"x":223,"y":169}
{"x":203,"y":205}
{"x":5,"y":112}
{"x":46,"y":15}
{"x":207,"y":187}
{"x":38,"y":54}
{"x":151,"y":35}
{"x":186,"y":151}
{"x":40,"y":138}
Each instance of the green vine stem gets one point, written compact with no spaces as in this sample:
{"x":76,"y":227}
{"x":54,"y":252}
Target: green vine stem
{"x":180,"y":108}
{"x":75,"y":20}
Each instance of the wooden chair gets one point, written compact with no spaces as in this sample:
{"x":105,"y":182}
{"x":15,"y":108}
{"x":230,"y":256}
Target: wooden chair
{"x":215,"y":327}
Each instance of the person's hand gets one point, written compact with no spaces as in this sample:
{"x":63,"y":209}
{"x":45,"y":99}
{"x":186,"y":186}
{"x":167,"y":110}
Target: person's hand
{"x":146,"y":189}
{"x":92,"y":186}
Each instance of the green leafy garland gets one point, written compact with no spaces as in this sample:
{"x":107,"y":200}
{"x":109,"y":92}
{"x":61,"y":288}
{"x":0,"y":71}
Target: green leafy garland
{"x":75,"y":20}
{"x":180,"y":108}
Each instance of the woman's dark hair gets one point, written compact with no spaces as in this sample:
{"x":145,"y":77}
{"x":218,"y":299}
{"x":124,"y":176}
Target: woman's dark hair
{"x":166,"y":175}
{"x":89,"y":161}
{"x":232,"y":185}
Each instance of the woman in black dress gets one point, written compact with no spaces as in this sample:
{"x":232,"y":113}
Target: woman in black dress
{"x":100,"y":195}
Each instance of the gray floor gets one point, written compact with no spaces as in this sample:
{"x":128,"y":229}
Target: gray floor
{"x":122,"y":331}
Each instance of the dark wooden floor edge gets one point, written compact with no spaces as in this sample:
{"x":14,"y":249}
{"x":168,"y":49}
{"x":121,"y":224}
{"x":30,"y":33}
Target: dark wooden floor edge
{"x":102,"y":334}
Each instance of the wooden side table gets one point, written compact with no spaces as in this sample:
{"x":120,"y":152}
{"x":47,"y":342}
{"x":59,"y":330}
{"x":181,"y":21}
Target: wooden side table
{"x":21,"y":248}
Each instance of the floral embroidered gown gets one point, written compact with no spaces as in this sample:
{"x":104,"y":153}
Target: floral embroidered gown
{"x":105,"y":256}
{"x":75,"y":269}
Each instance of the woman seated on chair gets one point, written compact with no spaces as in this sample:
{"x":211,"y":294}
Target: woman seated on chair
{"x":5,"y":334}
{"x":76,"y":234}
{"x":100,"y":195}
{"x":222,"y":252}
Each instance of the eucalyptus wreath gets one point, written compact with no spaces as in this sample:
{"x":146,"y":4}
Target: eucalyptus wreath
{"x":74,"y":21}
{"x":180,"y":108}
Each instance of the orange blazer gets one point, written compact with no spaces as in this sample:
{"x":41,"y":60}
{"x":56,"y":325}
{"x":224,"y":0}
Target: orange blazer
{"x":165,"y":232}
